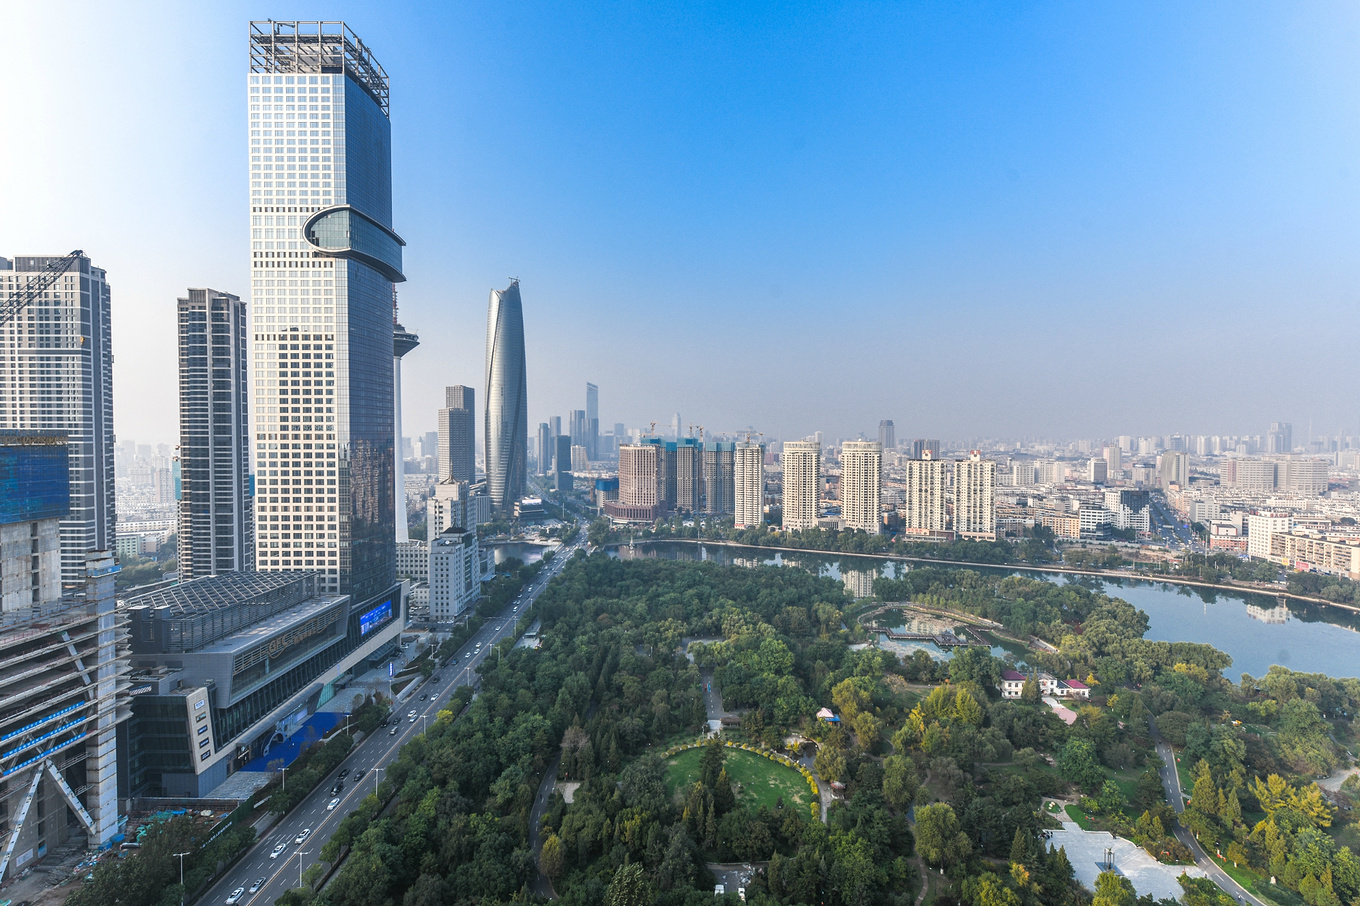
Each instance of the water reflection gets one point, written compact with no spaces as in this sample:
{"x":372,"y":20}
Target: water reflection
{"x":1256,"y":630}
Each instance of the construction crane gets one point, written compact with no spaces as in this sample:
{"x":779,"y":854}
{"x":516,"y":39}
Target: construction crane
{"x":751,"y":434}
{"x":652,"y":424}
{"x":701,"y":432}
{"x":36,"y":286}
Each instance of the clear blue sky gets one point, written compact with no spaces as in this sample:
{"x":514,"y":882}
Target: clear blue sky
{"x":1060,"y":219}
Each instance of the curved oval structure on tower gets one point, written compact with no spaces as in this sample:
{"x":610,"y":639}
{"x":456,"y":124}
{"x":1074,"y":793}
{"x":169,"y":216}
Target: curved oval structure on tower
{"x":507,"y":405}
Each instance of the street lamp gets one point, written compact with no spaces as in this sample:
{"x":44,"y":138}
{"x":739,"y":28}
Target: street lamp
{"x":376,"y":772}
{"x":181,"y":856}
{"x":301,"y":853}
{"x":284,"y":771}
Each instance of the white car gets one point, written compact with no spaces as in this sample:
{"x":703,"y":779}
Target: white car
{"x":302,"y":837}
{"x":330,"y":806}
{"x":278,"y":850}
{"x":236,"y":896}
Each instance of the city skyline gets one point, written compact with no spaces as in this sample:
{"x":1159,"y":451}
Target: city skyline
{"x":1066,"y":241}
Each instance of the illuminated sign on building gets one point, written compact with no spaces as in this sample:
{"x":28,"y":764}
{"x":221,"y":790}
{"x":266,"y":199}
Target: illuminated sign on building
{"x":375,"y":618}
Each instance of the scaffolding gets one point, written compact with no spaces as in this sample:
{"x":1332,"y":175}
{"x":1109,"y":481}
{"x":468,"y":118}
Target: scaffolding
{"x":316,"y":47}
{"x":63,"y":690}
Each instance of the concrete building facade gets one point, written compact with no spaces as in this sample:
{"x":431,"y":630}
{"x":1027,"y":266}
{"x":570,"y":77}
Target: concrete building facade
{"x":802,"y":464}
{"x":861,"y":470}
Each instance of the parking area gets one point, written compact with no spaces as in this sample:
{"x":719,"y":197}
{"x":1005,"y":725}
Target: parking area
{"x":1088,"y":851}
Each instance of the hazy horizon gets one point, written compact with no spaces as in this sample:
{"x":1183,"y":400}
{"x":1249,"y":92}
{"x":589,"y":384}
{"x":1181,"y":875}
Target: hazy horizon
{"x":1055,"y":220}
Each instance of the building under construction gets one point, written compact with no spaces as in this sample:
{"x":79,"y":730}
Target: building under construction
{"x":63,"y":687}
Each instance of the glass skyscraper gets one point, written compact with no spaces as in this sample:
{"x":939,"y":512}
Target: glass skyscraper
{"x":324,"y":259}
{"x":507,"y":405}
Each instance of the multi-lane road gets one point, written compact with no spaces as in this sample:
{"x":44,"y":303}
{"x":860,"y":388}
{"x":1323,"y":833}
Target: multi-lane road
{"x":272,"y":874}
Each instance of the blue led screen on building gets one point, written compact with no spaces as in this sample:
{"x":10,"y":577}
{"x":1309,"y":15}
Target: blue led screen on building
{"x":375,"y":618}
{"x":35,"y":480}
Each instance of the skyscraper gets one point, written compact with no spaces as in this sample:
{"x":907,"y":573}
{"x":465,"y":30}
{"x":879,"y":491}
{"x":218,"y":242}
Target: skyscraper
{"x":975,"y":497}
{"x":1280,"y":438}
{"x":924,"y":506}
{"x":861,"y":467}
{"x":324,"y":259}
{"x":748,"y":473}
{"x":593,"y":421}
{"x":887,"y":435}
{"x":544,"y":451}
{"x":675,"y":426}
{"x":458,"y":435}
{"x":718,"y":476}
{"x":507,"y":405}
{"x":56,"y":374}
{"x":216,"y":512}
{"x":802,"y":461}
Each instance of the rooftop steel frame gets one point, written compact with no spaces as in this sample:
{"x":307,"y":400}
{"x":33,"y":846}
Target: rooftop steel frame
{"x":316,"y":47}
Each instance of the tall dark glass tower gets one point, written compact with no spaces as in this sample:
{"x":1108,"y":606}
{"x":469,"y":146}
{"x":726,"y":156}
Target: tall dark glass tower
{"x":216,"y":513}
{"x":324,"y":259}
{"x":507,"y":405}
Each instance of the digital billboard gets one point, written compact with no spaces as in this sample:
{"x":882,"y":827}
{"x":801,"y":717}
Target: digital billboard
{"x":375,"y":618}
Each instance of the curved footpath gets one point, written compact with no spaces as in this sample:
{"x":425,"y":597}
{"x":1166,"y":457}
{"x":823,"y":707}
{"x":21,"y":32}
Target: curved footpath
{"x":1025,"y":567}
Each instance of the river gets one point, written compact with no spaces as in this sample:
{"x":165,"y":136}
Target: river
{"x":1255,"y":630}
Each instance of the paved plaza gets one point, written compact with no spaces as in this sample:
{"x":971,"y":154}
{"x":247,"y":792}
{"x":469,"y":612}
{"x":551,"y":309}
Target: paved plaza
{"x":1086,"y":851}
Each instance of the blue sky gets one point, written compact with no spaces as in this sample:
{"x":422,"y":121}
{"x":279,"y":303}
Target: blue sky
{"x":1052,"y":219}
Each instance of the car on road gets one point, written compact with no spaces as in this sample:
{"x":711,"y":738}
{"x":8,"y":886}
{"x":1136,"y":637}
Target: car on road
{"x":359,"y":775}
{"x":255,"y":888}
{"x":302,"y":837}
{"x":335,"y":790}
{"x":424,"y":696}
{"x":344,"y":772}
{"x":392,"y":732}
{"x":278,"y":850}
{"x":435,"y":678}
{"x":330,"y":806}
{"x":236,"y":896}
{"x":413,"y":717}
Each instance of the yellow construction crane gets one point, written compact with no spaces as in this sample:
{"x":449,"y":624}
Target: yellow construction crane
{"x":701,"y":432}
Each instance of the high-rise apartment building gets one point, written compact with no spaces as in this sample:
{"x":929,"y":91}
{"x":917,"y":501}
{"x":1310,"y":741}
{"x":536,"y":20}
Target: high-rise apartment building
{"x":593,"y":421}
{"x":507,"y":400}
{"x":718,"y":476}
{"x":748,"y":472}
{"x":887,"y":435}
{"x":1114,"y":460}
{"x":216,"y":511}
{"x":975,"y":497}
{"x":689,"y":475}
{"x":324,"y":260}
{"x":802,"y":461}
{"x":458,"y":435}
{"x":641,"y":491}
{"x":56,"y":375}
{"x":861,"y":468}
{"x":927,"y":481}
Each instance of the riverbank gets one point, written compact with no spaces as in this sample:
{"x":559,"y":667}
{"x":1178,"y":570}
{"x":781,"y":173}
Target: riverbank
{"x":1020,"y":567}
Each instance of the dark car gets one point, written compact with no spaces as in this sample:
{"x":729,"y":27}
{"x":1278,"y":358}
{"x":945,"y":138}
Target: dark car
{"x":344,"y":772}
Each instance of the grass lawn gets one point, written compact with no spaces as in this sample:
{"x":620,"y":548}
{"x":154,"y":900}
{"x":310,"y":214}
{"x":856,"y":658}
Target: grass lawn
{"x":1247,"y":880}
{"x":1076,"y":814}
{"x":758,"y":780}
